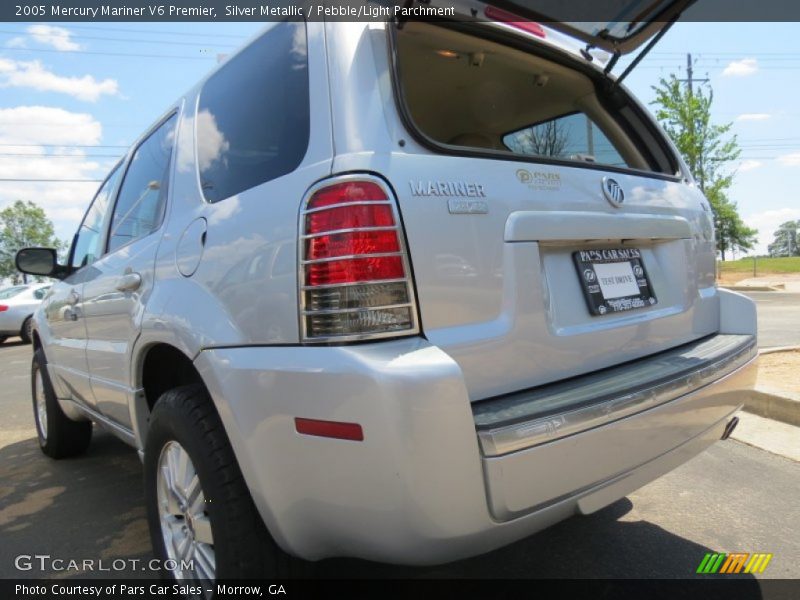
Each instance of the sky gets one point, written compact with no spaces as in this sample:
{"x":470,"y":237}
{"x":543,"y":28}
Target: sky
{"x":74,"y":96}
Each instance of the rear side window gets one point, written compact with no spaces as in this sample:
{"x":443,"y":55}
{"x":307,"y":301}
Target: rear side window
{"x":253,"y":115}
{"x":463,"y":91}
{"x":141,"y":198}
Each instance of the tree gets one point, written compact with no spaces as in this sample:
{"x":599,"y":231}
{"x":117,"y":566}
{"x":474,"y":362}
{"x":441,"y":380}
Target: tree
{"x":786,"y":241}
{"x":547,"y":139}
{"x":23,"y":224}
{"x":707,"y":148}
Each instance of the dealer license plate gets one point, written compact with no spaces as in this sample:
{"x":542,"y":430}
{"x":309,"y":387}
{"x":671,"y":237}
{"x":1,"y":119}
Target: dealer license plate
{"x":613,"y":280}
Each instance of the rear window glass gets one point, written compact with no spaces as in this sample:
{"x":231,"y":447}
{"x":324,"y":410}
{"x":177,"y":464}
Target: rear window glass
{"x":253,"y":115}
{"x":574,"y":137}
{"x":461,"y":90}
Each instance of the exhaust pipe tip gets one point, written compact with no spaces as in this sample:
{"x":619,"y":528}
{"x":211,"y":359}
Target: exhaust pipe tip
{"x":730,"y":427}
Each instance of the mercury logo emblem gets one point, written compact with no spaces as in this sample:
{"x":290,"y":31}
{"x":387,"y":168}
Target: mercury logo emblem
{"x":613,"y":192}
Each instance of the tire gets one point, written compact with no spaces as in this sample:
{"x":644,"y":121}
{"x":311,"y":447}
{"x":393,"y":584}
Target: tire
{"x":214,"y":515}
{"x":2,"y":339}
{"x":59,"y":436}
{"x":26,"y":332}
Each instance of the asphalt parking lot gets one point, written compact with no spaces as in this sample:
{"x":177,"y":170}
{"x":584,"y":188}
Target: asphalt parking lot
{"x":778,"y":318}
{"x":733,"y":498}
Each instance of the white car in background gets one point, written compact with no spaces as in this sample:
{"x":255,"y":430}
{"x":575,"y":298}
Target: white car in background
{"x":17,"y":304}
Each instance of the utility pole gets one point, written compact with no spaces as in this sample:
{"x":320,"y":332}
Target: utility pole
{"x":690,"y":79}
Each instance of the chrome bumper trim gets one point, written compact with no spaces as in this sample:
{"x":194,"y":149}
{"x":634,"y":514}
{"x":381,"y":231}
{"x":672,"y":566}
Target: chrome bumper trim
{"x":510,"y":423}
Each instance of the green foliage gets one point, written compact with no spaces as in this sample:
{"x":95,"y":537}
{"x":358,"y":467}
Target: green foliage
{"x":787,"y":240}
{"x":23,"y":224}
{"x":707,"y":149}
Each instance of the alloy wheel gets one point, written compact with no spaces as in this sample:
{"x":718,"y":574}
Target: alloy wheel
{"x":185,"y":524}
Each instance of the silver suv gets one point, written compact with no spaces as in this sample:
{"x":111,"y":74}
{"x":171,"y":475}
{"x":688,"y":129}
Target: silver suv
{"x":407,"y":292}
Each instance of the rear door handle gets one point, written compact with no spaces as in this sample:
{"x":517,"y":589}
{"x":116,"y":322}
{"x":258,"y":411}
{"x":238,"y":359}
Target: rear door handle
{"x":129,"y":282}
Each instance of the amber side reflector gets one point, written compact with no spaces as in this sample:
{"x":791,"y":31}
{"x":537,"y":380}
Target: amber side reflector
{"x":330,"y":429}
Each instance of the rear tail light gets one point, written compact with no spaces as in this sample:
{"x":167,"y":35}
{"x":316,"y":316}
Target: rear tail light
{"x":355,"y":280}
{"x":3,"y":308}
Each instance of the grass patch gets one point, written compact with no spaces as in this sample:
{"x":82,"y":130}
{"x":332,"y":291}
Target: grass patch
{"x":765,"y":266}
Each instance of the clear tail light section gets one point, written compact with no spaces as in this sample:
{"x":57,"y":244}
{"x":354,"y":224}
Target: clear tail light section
{"x":355,"y":279}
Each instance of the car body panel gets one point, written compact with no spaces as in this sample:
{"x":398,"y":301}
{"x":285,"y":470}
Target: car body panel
{"x":515,"y":317}
{"x":417,"y":490}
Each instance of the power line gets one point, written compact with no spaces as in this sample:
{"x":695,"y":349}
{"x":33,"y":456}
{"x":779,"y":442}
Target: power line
{"x":52,"y":180}
{"x":742,"y":53}
{"x":123,"y":29}
{"x":62,"y":146}
{"x":61,"y":155}
{"x":123,"y":40}
{"x":120,"y":54}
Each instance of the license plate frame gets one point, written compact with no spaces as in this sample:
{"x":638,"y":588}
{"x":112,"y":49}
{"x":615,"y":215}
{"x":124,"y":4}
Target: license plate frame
{"x":605,"y":280}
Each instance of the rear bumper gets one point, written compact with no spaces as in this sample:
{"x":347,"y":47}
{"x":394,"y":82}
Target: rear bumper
{"x":534,"y":417}
{"x":601,"y":463}
{"x":418,"y":489}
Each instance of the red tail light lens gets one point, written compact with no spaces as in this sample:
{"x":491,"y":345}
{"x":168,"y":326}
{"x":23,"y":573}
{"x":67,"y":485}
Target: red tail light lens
{"x":350,"y":217}
{"x":353,"y":242}
{"x":3,"y":308}
{"x":355,"y":280}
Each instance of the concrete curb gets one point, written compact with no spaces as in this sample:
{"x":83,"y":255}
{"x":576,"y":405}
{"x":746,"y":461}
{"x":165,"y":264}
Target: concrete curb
{"x":753,"y":288}
{"x":779,"y":349}
{"x":774,"y":404}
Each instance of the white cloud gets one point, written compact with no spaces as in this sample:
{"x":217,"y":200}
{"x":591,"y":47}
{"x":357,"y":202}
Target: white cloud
{"x":741,"y":68}
{"x":16,"y":42}
{"x":47,"y":125}
{"x":212,"y":144}
{"x":790,"y":160}
{"x":31,"y":74}
{"x":753,"y":117}
{"x":30,"y":128}
{"x":767,"y":223}
{"x":57,"y":37}
{"x":749,"y":165}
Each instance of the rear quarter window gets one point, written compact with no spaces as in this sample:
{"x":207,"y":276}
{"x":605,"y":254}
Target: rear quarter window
{"x":253,"y":114}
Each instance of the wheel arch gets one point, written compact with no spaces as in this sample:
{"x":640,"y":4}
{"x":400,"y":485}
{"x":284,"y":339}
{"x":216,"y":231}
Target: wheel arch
{"x":158,"y":366}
